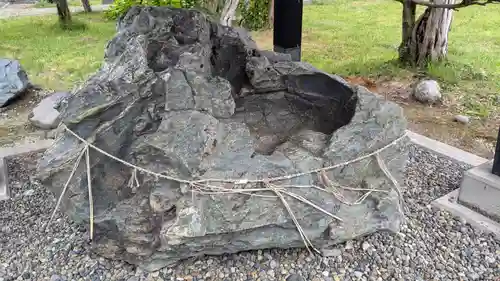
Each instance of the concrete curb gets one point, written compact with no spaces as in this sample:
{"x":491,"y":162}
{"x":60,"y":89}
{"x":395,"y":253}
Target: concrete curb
{"x":6,"y":152}
{"x":449,"y":203}
{"x":25,"y":148}
{"x":4,"y":180}
{"x":445,"y":150}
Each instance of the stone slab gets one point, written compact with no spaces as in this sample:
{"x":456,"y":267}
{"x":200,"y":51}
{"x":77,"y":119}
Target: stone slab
{"x":6,"y":152}
{"x":480,"y":190}
{"x":450,"y":203}
{"x":446,"y":150}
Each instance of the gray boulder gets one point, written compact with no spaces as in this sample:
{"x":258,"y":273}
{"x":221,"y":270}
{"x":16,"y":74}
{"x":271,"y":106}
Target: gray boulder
{"x":191,"y":99}
{"x":427,"y":91}
{"x":13,"y":81}
{"x":45,"y":115}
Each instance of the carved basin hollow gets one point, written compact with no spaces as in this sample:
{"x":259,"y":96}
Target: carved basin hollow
{"x":311,"y":102}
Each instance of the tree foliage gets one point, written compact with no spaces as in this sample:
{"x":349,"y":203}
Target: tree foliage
{"x":255,"y":14}
{"x":120,"y":7}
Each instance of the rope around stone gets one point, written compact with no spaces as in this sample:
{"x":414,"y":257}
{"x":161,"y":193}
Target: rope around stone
{"x":202,"y":186}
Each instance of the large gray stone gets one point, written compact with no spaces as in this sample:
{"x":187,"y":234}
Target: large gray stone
{"x":191,"y":99}
{"x":13,"y":80}
{"x":45,"y":115}
{"x":427,"y":91}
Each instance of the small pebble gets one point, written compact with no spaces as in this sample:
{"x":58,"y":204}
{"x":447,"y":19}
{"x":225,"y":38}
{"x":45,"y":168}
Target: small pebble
{"x":462,"y":119}
{"x":295,"y":277}
{"x":28,"y":192}
{"x":358,"y":274}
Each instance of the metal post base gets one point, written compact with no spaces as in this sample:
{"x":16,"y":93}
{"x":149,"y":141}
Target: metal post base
{"x":295,"y":53}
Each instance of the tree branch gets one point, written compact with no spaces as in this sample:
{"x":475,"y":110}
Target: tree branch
{"x":461,"y":4}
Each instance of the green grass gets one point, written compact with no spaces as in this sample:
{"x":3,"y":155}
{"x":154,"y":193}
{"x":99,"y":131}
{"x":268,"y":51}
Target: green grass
{"x":360,"y":37}
{"x":45,"y":4}
{"x":347,"y":37}
{"x":55,"y":58}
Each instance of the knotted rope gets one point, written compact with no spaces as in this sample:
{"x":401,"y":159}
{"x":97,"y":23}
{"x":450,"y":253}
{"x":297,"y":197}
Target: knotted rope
{"x":203,"y":186}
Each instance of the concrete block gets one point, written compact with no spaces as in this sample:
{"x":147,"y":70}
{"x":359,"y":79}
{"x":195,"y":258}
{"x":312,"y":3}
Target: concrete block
{"x":480,"y":190}
{"x":449,"y":203}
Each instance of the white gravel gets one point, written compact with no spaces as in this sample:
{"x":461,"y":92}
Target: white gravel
{"x":431,"y":246}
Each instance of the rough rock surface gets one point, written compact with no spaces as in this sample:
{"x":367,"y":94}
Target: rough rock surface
{"x":46,"y":115}
{"x":191,"y":99}
{"x":13,"y":80}
{"x":427,"y":91}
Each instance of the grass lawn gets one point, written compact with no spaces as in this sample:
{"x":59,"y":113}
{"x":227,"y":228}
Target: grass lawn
{"x":360,"y":37}
{"x":44,"y":4}
{"x":54,"y":58}
{"x":348,"y":37}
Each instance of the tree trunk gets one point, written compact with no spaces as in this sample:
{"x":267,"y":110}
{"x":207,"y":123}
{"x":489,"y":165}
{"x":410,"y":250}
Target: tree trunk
{"x":408,"y":22}
{"x":228,"y":12}
{"x":63,"y":12}
{"x":271,"y":13}
{"x":86,"y":6}
{"x":428,"y":39}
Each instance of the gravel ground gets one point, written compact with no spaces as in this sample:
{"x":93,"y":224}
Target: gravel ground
{"x":431,"y":246}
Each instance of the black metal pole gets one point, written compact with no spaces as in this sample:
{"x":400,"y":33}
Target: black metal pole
{"x":496,"y":160}
{"x":287,"y":33}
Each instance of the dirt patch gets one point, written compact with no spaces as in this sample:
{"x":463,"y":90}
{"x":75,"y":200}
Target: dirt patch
{"x":14,"y":125}
{"x":437,"y":121}
{"x":264,"y":39}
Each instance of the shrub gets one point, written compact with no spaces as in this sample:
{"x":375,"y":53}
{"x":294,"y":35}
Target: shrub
{"x":120,"y":7}
{"x":254,"y":14}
